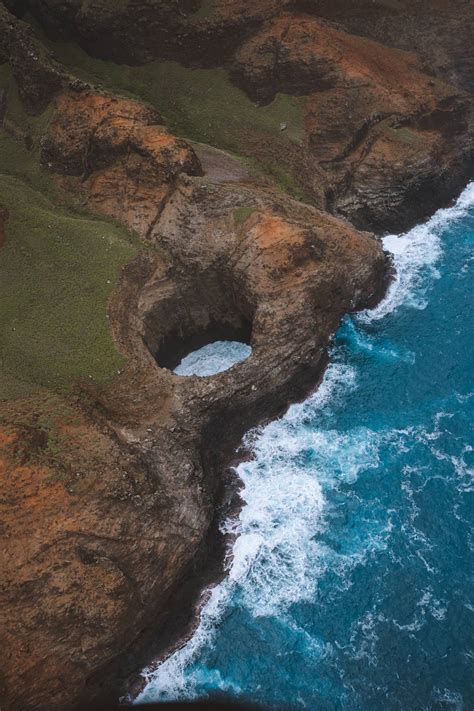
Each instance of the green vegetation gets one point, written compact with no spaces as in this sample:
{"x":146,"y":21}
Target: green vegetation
{"x":243,"y":213}
{"x":405,"y":135}
{"x":284,"y":180}
{"x":57,"y":270}
{"x":200,"y":104}
{"x":206,"y":10}
{"x":204,"y":106}
{"x":16,"y":161}
{"x":58,"y":267}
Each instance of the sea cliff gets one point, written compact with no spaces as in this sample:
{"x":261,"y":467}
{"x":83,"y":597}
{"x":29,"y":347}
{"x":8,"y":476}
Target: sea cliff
{"x":175,"y":173}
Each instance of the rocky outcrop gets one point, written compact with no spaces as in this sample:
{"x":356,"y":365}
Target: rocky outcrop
{"x":37,"y":75}
{"x":136,"y":31}
{"x":126,"y":158}
{"x":97,"y":538}
{"x":383,"y":137}
{"x":386,"y":139}
{"x":439,"y":31}
{"x":109,"y":495}
{"x":86,"y":553}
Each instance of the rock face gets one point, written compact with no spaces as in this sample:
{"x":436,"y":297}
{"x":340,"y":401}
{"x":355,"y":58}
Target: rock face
{"x":99,"y":533}
{"x":37,"y":75}
{"x":126,"y":159}
{"x":440,"y":31}
{"x":92,"y":554}
{"x":135,"y":31}
{"x":383,"y":136}
{"x":387,"y":140}
{"x":82,"y":540}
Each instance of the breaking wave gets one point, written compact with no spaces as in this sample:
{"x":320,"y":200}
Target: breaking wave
{"x":335,"y":507}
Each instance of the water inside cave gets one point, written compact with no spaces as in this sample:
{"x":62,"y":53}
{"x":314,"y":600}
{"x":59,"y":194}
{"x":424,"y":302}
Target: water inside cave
{"x":213,"y":358}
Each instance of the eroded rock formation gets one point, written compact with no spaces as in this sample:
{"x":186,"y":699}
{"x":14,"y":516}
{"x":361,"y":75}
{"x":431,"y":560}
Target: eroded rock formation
{"x":383,"y":136}
{"x":99,"y":534}
{"x":126,"y":158}
{"x":386,"y":138}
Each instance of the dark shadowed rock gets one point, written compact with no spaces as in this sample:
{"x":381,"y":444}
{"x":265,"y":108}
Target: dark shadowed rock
{"x":100,"y":537}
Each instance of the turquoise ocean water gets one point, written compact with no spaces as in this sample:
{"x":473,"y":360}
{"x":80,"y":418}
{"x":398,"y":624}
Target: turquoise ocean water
{"x":351,"y":581}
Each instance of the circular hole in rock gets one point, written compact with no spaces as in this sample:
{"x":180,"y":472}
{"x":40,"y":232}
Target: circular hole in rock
{"x":213,"y":358}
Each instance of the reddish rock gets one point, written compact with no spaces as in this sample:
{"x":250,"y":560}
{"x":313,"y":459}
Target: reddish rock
{"x":127,"y":160}
{"x":99,"y":538}
{"x":387,"y":141}
{"x":439,"y":31}
{"x":85,"y":555}
{"x":100,"y":532}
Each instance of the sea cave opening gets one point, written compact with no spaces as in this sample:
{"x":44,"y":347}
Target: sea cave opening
{"x":201,"y":330}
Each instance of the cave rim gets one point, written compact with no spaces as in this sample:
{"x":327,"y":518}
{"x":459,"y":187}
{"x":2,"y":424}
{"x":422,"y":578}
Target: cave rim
{"x":175,"y":346}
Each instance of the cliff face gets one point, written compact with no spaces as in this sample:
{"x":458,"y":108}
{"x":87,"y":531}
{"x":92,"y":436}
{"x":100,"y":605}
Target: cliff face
{"x":437,"y":30}
{"x":111,"y":489}
{"x":387,"y":135}
{"x":383,"y":137}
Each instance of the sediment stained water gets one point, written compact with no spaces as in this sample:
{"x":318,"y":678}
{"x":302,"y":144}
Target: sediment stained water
{"x":351,"y":583}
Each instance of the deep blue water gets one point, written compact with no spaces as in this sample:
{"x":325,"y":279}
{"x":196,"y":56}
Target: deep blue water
{"x":351,"y":585}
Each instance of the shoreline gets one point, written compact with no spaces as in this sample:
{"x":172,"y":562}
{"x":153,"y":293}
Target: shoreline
{"x":245,"y":196}
{"x":217,"y":565}
{"x":235,"y":484}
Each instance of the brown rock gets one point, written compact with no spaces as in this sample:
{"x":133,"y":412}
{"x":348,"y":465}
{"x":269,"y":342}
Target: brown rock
{"x":37,"y":75}
{"x":388,"y":142}
{"x":99,"y":536}
{"x":440,"y":31}
{"x":108,"y":505}
{"x":127,"y":160}
{"x":84,"y":548}
{"x":138,"y":31}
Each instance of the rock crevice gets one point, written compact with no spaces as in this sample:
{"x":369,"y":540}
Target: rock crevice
{"x":100,"y":535}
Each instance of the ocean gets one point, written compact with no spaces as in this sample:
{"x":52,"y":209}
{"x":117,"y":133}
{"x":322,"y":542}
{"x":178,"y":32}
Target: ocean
{"x":350,"y":584}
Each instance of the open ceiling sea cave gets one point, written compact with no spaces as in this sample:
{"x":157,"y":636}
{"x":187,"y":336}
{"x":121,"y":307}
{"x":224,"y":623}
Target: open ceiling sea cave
{"x":236,"y":353}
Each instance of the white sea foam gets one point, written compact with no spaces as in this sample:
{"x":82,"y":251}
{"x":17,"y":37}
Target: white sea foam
{"x":452,"y":699}
{"x":415,"y":255}
{"x":213,"y":358}
{"x":276,"y":557}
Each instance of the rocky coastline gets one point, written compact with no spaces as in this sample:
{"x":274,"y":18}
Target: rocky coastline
{"x":112,"y":487}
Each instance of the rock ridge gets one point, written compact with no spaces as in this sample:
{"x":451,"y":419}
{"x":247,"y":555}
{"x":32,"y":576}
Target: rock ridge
{"x":109,"y":493}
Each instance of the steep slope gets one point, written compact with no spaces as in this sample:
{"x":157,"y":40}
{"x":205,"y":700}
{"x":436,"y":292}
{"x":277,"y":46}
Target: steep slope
{"x":113,"y":473}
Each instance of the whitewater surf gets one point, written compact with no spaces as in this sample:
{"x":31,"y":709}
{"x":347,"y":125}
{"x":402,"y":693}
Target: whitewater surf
{"x":348,"y":585}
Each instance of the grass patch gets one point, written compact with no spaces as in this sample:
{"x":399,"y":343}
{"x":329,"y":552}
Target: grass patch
{"x":206,"y":10}
{"x":285,"y":181}
{"x":16,"y":161}
{"x":57,"y":271}
{"x":405,"y":135}
{"x":200,"y":104}
{"x":243,"y":213}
